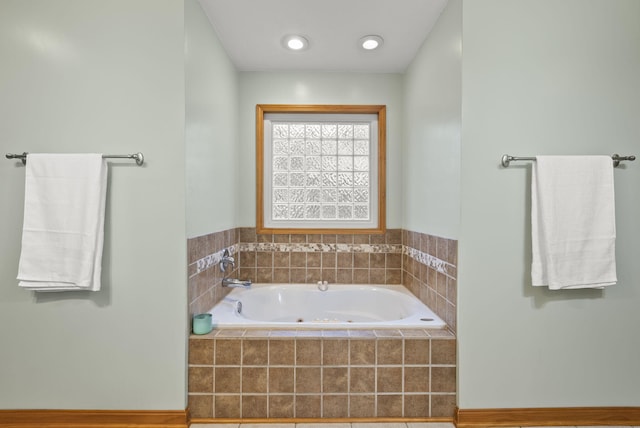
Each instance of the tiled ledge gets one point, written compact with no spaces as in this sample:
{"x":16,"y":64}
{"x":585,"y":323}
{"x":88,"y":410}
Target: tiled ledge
{"x":316,"y":333}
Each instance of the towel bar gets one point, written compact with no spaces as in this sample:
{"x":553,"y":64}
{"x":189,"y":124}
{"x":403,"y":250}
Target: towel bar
{"x":139,"y":157}
{"x":507,"y":159}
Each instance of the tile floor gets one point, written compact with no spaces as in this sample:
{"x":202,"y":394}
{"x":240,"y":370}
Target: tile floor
{"x":355,"y":425}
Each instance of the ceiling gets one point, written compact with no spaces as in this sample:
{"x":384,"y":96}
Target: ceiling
{"x":251,"y":32}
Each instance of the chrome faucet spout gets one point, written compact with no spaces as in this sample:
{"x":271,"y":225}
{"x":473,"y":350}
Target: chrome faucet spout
{"x":236,"y":283}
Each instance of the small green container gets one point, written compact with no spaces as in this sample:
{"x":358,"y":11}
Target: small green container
{"x":202,"y":324}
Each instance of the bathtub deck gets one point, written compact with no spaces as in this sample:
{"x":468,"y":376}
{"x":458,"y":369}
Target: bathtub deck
{"x":351,"y":333}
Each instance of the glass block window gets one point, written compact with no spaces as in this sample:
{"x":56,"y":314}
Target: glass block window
{"x":320,"y":171}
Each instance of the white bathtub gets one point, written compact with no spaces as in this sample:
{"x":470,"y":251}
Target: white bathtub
{"x":340,"y":306}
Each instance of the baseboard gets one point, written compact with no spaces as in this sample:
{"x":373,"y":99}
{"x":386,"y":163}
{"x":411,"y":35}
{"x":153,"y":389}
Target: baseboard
{"x":562,"y":416}
{"x":93,"y":418}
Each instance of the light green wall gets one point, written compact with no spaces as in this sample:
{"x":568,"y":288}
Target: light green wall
{"x":432,"y":122}
{"x":538,"y":76}
{"x":96,"y":76}
{"x":319,"y":88}
{"x":211,"y":127}
{"x":545,"y":77}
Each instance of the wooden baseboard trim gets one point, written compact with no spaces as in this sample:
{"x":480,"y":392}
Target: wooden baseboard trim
{"x":311,"y":420}
{"x":562,"y":416}
{"x":93,"y":418}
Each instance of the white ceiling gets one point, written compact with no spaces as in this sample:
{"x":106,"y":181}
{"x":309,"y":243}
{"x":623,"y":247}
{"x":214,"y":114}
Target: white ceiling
{"x":251,"y":32}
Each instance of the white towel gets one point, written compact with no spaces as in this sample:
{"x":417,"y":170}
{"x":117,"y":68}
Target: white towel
{"x":573,"y":222}
{"x":63,"y":229}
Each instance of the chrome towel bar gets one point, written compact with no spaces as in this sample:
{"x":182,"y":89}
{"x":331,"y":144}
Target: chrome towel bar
{"x":139,"y":157}
{"x":507,"y":159}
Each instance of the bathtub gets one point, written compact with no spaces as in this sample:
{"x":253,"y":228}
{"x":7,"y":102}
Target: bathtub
{"x":340,"y":306}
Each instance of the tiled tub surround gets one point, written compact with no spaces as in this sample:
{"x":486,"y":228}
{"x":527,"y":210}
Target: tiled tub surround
{"x":205,"y":278}
{"x":430,"y":269}
{"x":322,"y":374}
{"x":425,"y":264}
{"x":345,"y":259}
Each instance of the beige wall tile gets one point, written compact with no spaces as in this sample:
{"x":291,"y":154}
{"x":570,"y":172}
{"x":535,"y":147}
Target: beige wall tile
{"x":254,"y":406}
{"x":314,"y":260}
{"x":416,"y":351}
{"x":313,"y":275}
{"x":416,"y":379}
{"x":394,"y":236}
{"x":254,"y":380}
{"x":389,"y":406}
{"x":255,"y":352}
{"x":328,"y":259}
{"x":389,"y":351}
{"x":281,"y":259}
{"x":201,"y":351}
{"x":416,"y":406}
{"x":361,"y":406}
{"x":335,"y":379}
{"x":264,"y":238}
{"x":362,"y":352}
{"x":361,"y":260}
{"x":443,"y":379}
{"x":362,"y":379}
{"x":393,"y":261}
{"x":443,"y":405}
{"x":335,"y":406}
{"x":227,"y":406}
{"x":308,"y":380}
{"x":201,"y":406}
{"x":389,"y":379}
{"x":298,"y":238}
{"x":377,"y":276}
{"x":281,"y":352}
{"x":443,"y":352}
{"x":298,"y":275}
{"x":248,"y":259}
{"x":227,"y":380}
{"x":298,"y":259}
{"x":281,"y":406}
{"x":329,"y":275}
{"x":345,"y":260}
{"x":281,"y":275}
{"x":308,"y":406}
{"x":361,"y":276}
{"x":377,"y":260}
{"x":281,"y":379}
{"x":247,"y":234}
{"x":200,"y":379}
{"x":282,"y":238}
{"x":227,"y":352}
{"x":264,"y":275}
{"x":335,"y":352}
{"x":344,"y":276}
{"x":344,"y":239}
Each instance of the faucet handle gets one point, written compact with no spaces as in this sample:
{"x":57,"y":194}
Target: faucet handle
{"x":226,"y":261}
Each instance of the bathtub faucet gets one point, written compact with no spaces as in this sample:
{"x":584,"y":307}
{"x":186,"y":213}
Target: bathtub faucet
{"x":236,"y":283}
{"x":226,"y":261}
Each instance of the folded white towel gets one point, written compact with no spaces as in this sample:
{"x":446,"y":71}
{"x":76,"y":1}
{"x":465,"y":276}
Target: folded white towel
{"x":63,"y":229}
{"x":573,"y":222}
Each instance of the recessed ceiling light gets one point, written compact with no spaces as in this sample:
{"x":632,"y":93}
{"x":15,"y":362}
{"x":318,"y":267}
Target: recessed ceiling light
{"x":295,"y":43}
{"x":370,"y":43}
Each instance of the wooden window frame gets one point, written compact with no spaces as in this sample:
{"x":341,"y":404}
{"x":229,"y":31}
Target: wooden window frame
{"x":379,"y":110}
